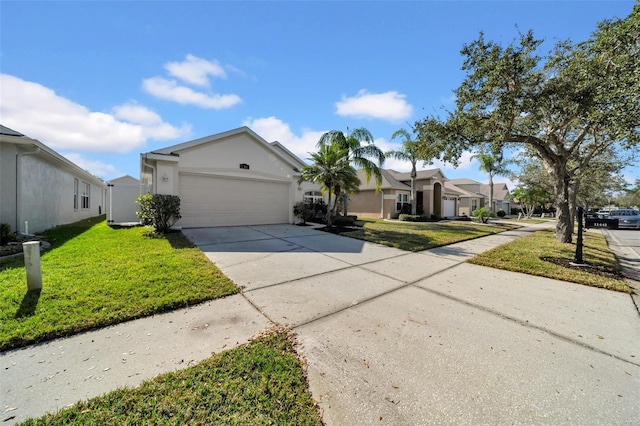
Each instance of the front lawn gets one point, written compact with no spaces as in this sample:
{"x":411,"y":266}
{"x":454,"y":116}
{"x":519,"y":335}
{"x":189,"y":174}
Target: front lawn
{"x":418,"y":236}
{"x":540,"y":254}
{"x":95,"y":276}
{"x":262,"y":383}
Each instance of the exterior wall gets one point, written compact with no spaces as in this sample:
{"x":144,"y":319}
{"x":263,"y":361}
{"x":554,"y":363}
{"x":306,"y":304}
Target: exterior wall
{"x":47,"y":194}
{"x":8,"y":184}
{"x":366,"y":204}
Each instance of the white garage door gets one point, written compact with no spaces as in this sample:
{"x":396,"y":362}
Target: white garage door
{"x":449,"y":208}
{"x":215,"y":201}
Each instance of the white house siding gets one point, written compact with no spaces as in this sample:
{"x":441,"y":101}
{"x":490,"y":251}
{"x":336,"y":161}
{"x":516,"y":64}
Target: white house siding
{"x":46,"y":196}
{"x":215,"y":190}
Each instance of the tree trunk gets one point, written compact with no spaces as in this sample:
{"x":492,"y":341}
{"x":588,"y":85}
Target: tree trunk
{"x":574,"y":187}
{"x":345,"y":200}
{"x":413,"y":196}
{"x":491,"y":194}
{"x":328,"y":216}
{"x":564,"y":228}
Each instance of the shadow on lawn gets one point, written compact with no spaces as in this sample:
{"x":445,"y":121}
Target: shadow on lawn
{"x":59,"y":235}
{"x":28,"y":304}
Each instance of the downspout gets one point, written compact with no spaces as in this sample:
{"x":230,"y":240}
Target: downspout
{"x":19,"y":185}
{"x":153,"y":174}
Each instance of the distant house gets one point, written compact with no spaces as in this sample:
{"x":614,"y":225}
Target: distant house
{"x":121,"y":195}
{"x":474,"y":195}
{"x":40,"y":188}
{"x":230,"y":178}
{"x":394,"y":195}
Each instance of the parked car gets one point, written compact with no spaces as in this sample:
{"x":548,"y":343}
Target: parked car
{"x":627,"y":218}
{"x":603,"y":214}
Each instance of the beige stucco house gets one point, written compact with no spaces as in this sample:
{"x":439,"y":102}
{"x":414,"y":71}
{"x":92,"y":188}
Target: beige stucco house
{"x":474,"y":195}
{"x":432,"y":197}
{"x":230,"y":178}
{"x":40,"y":189}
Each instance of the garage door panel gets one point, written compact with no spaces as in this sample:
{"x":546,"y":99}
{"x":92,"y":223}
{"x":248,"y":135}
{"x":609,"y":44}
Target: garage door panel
{"x":215,"y":201}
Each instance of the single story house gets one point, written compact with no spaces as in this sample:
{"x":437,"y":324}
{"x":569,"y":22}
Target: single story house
{"x":121,"y":207}
{"x":476,"y":195}
{"x":40,"y":189}
{"x":228,"y":179}
{"x":432,"y":197}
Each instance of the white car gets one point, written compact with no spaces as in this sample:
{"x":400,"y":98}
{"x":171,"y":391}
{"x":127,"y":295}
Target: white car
{"x":627,"y":218}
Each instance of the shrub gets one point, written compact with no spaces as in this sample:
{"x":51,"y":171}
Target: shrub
{"x":435,"y":216}
{"x":344,"y":221}
{"x":5,"y":234}
{"x":501,"y":213}
{"x":303,"y":211}
{"x":482,"y":214}
{"x":413,"y":218}
{"x":159,"y":210}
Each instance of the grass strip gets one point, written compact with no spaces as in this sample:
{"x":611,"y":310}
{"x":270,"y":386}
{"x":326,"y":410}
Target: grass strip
{"x":94,"y":276}
{"x":418,"y":236}
{"x":262,"y":383}
{"x":540,"y":254}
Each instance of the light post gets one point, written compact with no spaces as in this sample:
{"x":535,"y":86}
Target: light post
{"x":577,"y":260}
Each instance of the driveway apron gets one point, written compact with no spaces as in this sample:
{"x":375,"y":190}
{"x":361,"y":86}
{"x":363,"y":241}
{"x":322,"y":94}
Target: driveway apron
{"x":392,"y":337}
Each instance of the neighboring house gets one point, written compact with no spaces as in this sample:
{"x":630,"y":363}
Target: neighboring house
{"x":40,"y":189}
{"x":230,"y":178}
{"x":432,"y":197}
{"x":121,"y":195}
{"x":476,"y":195}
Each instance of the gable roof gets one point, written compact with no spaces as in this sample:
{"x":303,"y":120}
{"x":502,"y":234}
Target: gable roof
{"x":464,"y":181}
{"x":284,"y":154}
{"x":500,"y":191}
{"x":388,"y":181}
{"x":8,"y":135}
{"x":463,"y":193}
{"x":420,"y":174}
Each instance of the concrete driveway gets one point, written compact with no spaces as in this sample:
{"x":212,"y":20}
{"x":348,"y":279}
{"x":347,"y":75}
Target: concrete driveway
{"x":423,"y":338}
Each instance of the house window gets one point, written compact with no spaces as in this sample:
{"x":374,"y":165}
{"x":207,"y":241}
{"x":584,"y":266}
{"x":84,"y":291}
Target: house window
{"x":76,"y":186}
{"x":474,"y":205}
{"x":312,"y":197}
{"x":401,"y":201}
{"x":84,"y":196}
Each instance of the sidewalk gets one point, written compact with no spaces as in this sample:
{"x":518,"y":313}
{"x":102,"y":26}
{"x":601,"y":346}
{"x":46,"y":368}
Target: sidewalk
{"x":414,"y":338}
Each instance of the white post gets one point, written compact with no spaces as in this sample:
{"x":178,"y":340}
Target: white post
{"x":31,"y":251}
{"x":26,"y":227}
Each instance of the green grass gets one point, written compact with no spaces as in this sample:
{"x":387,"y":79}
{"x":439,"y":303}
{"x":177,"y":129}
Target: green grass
{"x":262,"y":383}
{"x":526,"y":255}
{"x":95,"y":276}
{"x":417,"y":236}
{"x":524,"y":220}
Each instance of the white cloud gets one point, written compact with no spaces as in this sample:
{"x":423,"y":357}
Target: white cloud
{"x":273,"y":129}
{"x":196,"y":70}
{"x":96,"y":168}
{"x":172,"y":91}
{"x":60,"y":123}
{"x":389,"y":106}
{"x":151,"y":122}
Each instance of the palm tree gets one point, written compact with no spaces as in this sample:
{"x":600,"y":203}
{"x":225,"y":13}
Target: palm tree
{"x":331,"y":169}
{"x":493,"y":165}
{"x":408,"y":152}
{"x":361,"y":152}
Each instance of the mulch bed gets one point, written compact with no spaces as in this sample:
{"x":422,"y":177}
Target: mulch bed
{"x":602,"y":271}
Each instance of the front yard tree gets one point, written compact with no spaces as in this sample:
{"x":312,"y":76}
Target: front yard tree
{"x":331,"y":169}
{"x":494,"y":165}
{"x":361,"y":152}
{"x":409,"y":151}
{"x":578,"y":102}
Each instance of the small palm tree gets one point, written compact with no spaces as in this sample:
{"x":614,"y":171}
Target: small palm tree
{"x":493,"y":165}
{"x":361,"y":152}
{"x":407,"y":152}
{"x":331,"y":169}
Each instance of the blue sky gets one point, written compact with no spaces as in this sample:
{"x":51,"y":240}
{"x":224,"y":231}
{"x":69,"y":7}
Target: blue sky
{"x":101,"y":82}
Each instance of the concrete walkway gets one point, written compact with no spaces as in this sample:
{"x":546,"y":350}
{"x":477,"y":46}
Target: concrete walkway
{"x":390,"y":337}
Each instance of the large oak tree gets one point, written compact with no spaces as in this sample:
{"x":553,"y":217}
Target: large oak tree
{"x":569,"y":107}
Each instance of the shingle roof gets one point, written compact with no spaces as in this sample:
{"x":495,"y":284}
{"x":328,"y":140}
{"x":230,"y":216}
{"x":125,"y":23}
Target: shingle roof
{"x":4,"y":130}
{"x":421,"y":174}
{"x":388,"y":181}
